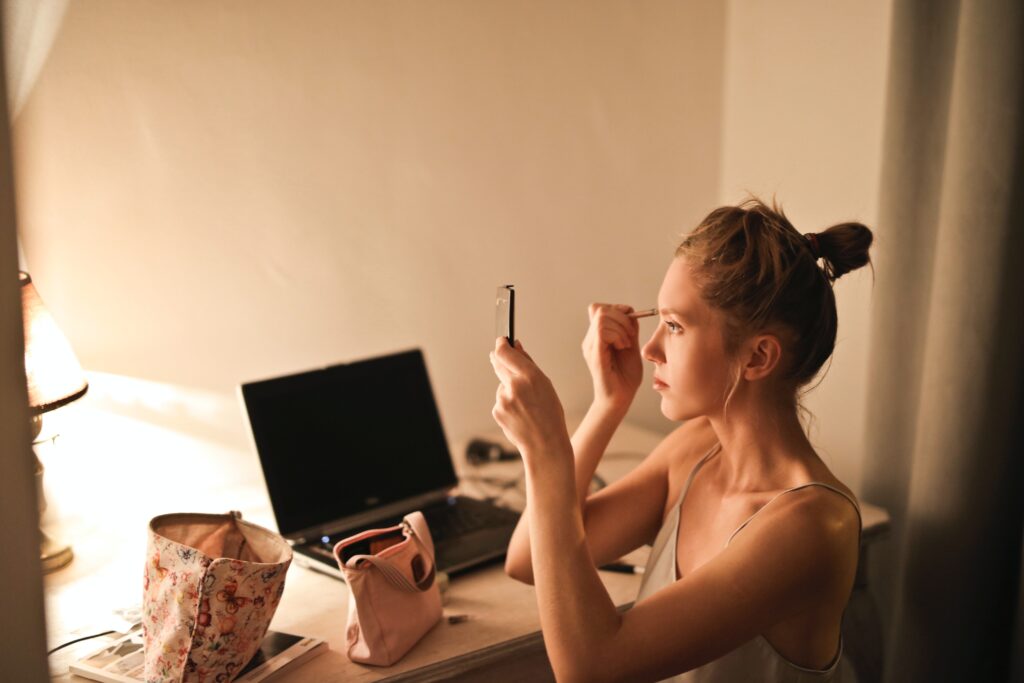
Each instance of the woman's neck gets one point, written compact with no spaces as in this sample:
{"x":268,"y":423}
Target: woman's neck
{"x":763,"y":446}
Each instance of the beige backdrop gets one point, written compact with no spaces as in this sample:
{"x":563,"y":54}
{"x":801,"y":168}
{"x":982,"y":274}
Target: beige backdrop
{"x":211,"y":192}
{"x":804,"y":108}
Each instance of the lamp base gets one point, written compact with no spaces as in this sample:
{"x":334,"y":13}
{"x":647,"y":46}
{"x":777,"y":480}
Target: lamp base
{"x":54,"y":554}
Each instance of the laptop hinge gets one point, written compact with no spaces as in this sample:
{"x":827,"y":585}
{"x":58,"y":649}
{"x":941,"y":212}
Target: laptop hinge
{"x":395,"y":509}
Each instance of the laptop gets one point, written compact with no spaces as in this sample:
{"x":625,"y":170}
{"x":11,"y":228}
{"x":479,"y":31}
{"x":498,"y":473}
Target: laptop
{"x":357,"y":446}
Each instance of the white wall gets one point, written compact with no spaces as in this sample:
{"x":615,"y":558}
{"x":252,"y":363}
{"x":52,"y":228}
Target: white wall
{"x":218,"y":192}
{"x":803,"y":113}
{"x":211,"y":193}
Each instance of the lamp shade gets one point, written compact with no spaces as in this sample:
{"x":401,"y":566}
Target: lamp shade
{"x":55,"y":377}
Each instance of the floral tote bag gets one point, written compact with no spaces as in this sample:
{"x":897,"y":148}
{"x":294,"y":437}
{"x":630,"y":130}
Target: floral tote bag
{"x":211,"y":586}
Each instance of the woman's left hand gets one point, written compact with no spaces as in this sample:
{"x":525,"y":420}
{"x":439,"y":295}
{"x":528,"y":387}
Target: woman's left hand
{"x":526,"y":406}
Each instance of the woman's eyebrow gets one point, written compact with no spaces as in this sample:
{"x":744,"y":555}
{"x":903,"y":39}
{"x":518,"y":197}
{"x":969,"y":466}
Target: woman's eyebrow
{"x":685,"y":317}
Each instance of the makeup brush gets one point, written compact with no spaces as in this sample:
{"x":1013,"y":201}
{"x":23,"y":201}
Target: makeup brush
{"x":643,"y":314}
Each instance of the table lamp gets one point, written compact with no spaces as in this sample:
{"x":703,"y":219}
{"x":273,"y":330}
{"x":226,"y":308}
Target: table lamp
{"x":55,"y":378}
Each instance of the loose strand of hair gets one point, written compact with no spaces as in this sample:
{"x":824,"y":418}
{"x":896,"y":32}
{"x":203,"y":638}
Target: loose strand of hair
{"x":728,"y":397}
{"x":807,"y":418}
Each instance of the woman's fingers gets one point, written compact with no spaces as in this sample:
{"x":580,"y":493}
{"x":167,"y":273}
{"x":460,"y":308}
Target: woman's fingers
{"x":502,"y":356}
{"x":617,"y":332}
{"x":513,"y":358}
{"x":611,"y":332}
{"x":617,"y":314}
{"x":500,"y":369}
{"x":625,"y":309}
{"x":620,"y":314}
{"x":519,"y":345}
{"x":501,"y":396}
{"x":526,"y":406}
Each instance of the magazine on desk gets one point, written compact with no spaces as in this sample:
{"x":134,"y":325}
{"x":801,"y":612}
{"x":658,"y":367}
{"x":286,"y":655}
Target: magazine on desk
{"x":122,"y":662}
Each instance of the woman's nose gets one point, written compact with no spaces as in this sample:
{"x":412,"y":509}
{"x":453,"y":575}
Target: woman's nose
{"x":652,"y":349}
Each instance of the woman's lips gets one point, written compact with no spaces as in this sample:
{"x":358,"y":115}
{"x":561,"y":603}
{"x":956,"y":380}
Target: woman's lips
{"x":658,"y":384}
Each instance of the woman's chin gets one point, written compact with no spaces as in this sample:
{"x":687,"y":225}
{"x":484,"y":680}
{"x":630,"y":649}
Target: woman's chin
{"x":671,"y":410}
{"x":677,"y":413}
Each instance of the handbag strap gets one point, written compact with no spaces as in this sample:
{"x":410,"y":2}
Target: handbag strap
{"x":395,"y":575}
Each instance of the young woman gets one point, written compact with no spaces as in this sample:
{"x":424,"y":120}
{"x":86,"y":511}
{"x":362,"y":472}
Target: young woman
{"x":755,"y":541}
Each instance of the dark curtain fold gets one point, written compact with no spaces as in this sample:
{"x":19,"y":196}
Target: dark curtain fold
{"x":944,"y":449}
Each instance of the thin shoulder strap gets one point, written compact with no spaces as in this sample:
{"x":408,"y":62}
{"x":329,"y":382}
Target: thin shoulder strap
{"x":693,"y":472}
{"x":845,"y":495}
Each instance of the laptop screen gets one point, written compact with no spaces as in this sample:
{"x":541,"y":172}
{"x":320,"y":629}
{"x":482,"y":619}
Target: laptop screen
{"x":345,"y":439}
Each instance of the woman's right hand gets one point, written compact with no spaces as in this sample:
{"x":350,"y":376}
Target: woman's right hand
{"x":611,"y":348}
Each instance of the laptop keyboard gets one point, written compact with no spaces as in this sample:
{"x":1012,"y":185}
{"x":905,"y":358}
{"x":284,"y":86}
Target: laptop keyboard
{"x":452,"y":519}
{"x":446,"y":521}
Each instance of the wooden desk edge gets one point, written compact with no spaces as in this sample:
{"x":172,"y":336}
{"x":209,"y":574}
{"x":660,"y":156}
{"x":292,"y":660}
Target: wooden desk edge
{"x":477,"y":659}
{"x":876,"y":522}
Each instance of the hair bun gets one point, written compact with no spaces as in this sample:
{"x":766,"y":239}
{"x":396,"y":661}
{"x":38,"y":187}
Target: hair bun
{"x":843,"y":247}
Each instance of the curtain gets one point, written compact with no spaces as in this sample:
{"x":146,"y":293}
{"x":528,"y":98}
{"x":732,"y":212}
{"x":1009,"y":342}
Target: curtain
{"x":946,"y":374}
{"x":23,"y":642}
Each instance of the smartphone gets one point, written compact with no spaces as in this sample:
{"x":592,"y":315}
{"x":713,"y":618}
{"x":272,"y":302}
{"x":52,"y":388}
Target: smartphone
{"x":505,"y":314}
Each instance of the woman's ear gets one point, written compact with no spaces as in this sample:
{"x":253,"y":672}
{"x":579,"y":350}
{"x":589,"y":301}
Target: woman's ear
{"x":764,"y":354}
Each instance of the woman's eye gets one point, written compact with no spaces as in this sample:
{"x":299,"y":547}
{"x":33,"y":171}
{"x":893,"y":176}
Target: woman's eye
{"x":673,"y":327}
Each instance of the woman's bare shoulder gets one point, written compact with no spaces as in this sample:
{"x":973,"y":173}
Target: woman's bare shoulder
{"x":821,"y":507}
{"x":821,"y":473}
{"x":815,"y":515}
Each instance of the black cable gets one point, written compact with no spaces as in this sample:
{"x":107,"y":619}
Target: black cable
{"x":480,"y":452}
{"x":78,"y":640}
{"x":492,"y":481}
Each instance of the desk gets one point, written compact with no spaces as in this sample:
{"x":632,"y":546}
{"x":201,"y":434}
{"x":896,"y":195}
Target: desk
{"x":501,"y":640}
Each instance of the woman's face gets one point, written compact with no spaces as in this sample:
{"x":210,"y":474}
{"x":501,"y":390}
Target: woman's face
{"x":691,"y":367}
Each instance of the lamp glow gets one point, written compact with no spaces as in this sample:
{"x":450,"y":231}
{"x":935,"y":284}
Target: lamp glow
{"x":55,"y":378}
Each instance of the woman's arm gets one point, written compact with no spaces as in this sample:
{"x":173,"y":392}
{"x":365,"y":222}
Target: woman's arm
{"x":589,"y":442}
{"x":577,"y":615}
{"x":629,"y":511}
{"x":788,"y":560}
{"x":611,"y":349}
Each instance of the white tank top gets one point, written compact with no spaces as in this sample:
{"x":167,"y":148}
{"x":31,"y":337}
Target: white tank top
{"x":755,"y":660}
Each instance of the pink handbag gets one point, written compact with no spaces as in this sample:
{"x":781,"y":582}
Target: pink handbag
{"x":394,"y":598}
{"x":211,"y":587}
